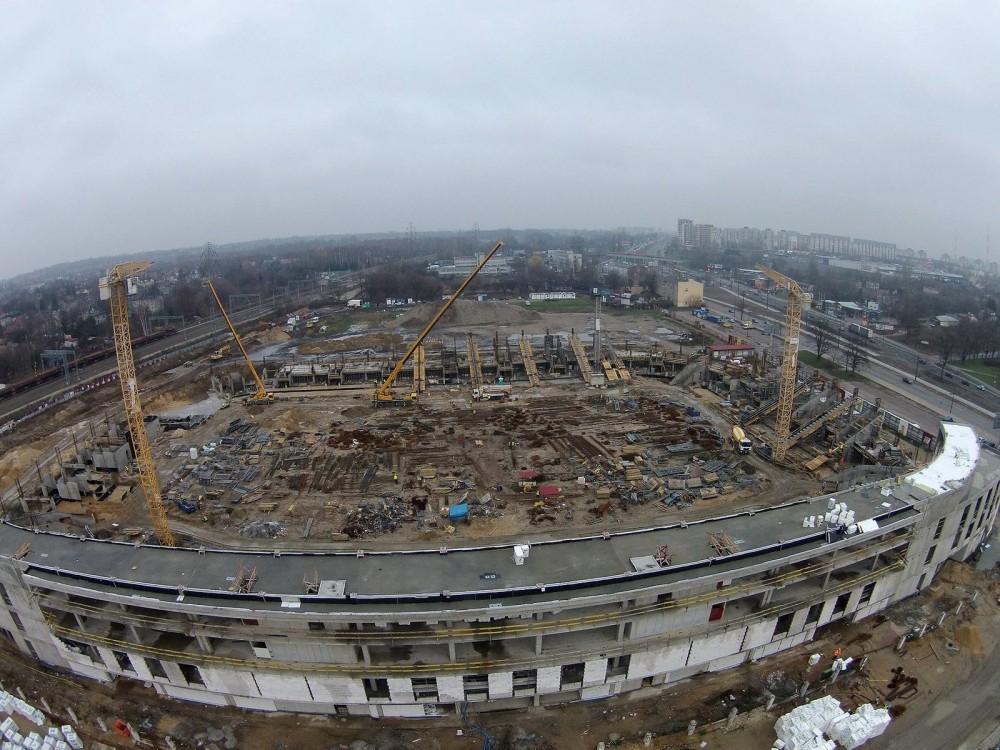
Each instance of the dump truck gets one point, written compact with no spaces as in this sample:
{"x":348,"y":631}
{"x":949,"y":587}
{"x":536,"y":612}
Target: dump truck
{"x":740,"y":439}
{"x":488,"y":392}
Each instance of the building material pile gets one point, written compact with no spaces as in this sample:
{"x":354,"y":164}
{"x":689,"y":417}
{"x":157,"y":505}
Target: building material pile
{"x":822,"y":724}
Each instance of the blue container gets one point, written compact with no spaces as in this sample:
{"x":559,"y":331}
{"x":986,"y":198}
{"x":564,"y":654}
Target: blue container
{"x":458,"y":511}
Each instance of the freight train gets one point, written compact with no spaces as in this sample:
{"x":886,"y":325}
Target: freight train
{"x":54,"y":373}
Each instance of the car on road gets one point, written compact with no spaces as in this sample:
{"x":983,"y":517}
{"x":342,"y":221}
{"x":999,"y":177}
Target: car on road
{"x":907,"y":380}
{"x":980,"y":387}
{"x":948,"y":375}
{"x":947,"y":419}
{"x":965,"y":382}
{"x":921,"y":361}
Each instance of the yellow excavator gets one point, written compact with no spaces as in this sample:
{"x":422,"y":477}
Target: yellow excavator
{"x":384,"y":395}
{"x":262,"y":396}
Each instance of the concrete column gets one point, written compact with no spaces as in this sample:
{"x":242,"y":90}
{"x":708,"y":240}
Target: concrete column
{"x":766,"y":598}
{"x":941,"y":618}
{"x":452,"y":657}
{"x":902,"y":642}
{"x":959,"y":607}
{"x":621,"y":631}
{"x":875,"y":561}
{"x":732,"y":716}
{"x":804,"y":689}
{"x":770,"y":702}
{"x":692,"y":725}
{"x":72,"y":714}
{"x":204,"y":643}
{"x":365,"y":654}
{"x":79,"y":622}
{"x":538,"y":645}
{"x":134,"y":632}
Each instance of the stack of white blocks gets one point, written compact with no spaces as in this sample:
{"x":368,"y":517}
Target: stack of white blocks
{"x":837,"y":514}
{"x":64,"y":738}
{"x":854,"y":730}
{"x":821,"y":724}
{"x":804,"y":728}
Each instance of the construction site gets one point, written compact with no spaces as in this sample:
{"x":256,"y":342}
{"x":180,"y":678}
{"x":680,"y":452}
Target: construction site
{"x":470,"y":502}
{"x":525,"y":433}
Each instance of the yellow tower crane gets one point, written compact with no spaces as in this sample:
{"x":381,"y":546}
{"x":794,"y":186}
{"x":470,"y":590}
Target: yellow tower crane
{"x":262,"y":396}
{"x":384,"y":395}
{"x":789,"y":361}
{"x":116,"y":286}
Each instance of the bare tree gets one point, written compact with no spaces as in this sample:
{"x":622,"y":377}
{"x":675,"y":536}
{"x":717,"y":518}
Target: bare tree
{"x":966,"y":335}
{"x":855,"y":355}
{"x":823,"y":337}
{"x":945,"y":344}
{"x":741,"y":305}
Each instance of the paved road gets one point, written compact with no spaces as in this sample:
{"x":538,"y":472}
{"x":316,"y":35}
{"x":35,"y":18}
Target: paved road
{"x":963,"y":717}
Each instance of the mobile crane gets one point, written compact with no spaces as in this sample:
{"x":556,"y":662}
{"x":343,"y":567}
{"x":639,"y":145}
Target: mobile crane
{"x":384,"y":395}
{"x":262,"y":396}
{"x":116,"y":286}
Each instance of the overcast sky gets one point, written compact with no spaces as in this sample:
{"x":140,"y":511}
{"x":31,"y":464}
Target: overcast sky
{"x":131,"y":127}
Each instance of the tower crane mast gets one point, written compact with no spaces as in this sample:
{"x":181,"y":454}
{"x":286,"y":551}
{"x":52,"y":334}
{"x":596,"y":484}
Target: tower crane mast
{"x":116,"y":286}
{"x":789,"y":361}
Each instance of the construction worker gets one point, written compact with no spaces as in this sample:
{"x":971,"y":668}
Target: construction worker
{"x":395,"y":477}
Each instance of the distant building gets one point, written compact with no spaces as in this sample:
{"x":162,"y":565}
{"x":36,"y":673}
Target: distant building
{"x":551,"y":295}
{"x":730,"y":351}
{"x":689,"y":293}
{"x":685,"y":233}
{"x":705,"y":235}
{"x":829,"y":244}
{"x":946,"y":321}
{"x":873,"y":249}
{"x":497,"y":266}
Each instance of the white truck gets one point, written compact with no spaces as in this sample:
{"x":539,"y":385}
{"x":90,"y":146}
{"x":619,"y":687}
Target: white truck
{"x":488,"y":392}
{"x":740,"y":440}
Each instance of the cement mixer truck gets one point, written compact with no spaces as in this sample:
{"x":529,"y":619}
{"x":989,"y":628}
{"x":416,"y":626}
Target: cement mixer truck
{"x":489,"y":392}
{"x":740,"y":440}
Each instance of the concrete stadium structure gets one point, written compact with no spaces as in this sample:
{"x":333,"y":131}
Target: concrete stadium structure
{"x":419,"y":632}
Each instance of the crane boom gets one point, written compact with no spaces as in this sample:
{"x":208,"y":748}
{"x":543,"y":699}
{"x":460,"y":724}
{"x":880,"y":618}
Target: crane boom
{"x":117,"y":291}
{"x":262,"y":396}
{"x":789,"y":362}
{"x":384,"y":394}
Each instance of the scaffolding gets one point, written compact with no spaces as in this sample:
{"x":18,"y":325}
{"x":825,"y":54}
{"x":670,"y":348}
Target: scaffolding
{"x":530,"y":368}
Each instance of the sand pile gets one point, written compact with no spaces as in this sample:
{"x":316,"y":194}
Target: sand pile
{"x":376,"y":341}
{"x":970,"y":637}
{"x":468,"y":313}
{"x":16,"y":461}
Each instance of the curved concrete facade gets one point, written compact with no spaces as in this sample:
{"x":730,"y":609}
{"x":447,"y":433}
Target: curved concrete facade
{"x":418,"y":633}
